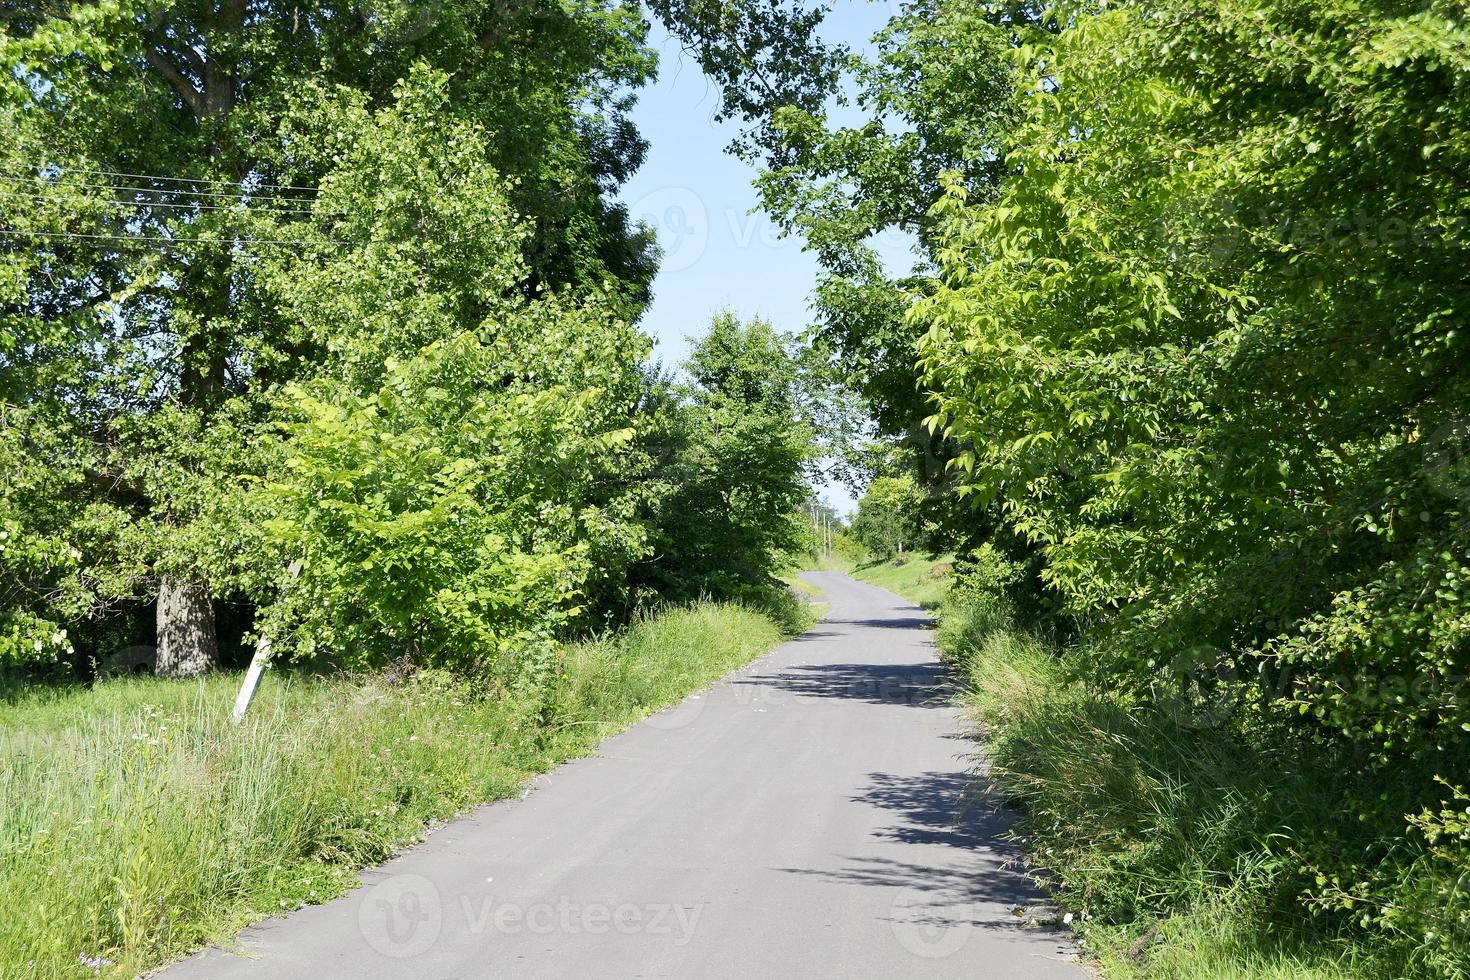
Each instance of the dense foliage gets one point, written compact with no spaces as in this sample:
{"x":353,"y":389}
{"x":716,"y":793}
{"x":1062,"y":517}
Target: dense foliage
{"x":354,"y":363}
{"x":932,"y":96}
{"x":1188,"y":324}
{"x":889,"y":518}
{"x":735,"y":450}
{"x":317,"y":322}
{"x":1204,"y":345}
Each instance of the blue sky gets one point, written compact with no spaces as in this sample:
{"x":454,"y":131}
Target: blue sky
{"x":718,"y":251}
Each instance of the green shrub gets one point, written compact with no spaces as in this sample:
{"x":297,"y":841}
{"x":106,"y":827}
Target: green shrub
{"x":1201,"y":341}
{"x":1206,"y":834}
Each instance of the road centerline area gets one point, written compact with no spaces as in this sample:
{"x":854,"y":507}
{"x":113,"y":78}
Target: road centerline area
{"x":806,"y":816}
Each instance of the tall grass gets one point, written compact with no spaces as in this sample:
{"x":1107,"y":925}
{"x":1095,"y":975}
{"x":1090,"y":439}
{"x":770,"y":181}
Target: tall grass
{"x":136,"y":823}
{"x":1178,"y":840}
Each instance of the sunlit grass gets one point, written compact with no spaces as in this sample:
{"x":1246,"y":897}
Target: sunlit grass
{"x":921,"y":579}
{"x":137,"y":823}
{"x":1172,"y":842}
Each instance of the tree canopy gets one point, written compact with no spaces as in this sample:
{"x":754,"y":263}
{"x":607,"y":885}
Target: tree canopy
{"x":319,"y":319}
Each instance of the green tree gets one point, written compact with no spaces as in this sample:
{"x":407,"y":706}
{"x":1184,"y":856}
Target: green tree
{"x":159,"y":157}
{"x":1204,"y":345}
{"x":838,"y":186}
{"x":736,"y":458}
{"x":889,"y":520}
{"x":438,"y":486}
{"x":934,"y":98}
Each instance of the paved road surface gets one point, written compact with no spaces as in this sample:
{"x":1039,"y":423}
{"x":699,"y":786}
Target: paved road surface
{"x":805,"y":817}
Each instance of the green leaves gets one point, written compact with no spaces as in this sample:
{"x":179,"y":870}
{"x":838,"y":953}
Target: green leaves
{"x":1144,"y":318}
{"x":431,"y":521}
{"x":1194,"y":342}
{"x":734,"y":449}
{"x":203,"y":209}
{"x":890,"y":518}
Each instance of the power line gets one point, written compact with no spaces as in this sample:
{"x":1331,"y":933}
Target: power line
{"x":162,"y":204}
{"x":158,"y":238}
{"x":179,"y":180}
{"x":165,"y":190}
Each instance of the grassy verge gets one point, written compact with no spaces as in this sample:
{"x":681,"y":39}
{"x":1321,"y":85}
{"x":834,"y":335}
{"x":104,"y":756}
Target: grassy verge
{"x":808,"y":595}
{"x":836,"y":561}
{"x":138,"y":824}
{"x":1178,"y":844}
{"x":923,"y":580}
{"x":1174,"y":842}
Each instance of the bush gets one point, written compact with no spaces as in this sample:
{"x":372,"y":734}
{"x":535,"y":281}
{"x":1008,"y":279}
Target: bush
{"x":733,"y":462}
{"x":1196,"y":341}
{"x":450,"y":521}
{"x":1209,"y":837}
{"x":452,"y":485}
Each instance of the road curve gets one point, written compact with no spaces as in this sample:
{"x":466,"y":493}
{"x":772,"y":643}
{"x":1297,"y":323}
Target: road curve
{"x":805,"y":817}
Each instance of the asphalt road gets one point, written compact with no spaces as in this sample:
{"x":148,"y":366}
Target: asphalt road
{"x":805,"y":817}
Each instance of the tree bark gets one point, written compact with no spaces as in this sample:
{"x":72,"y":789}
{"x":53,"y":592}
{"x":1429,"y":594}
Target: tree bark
{"x":198,"y":56}
{"x":187,"y":646}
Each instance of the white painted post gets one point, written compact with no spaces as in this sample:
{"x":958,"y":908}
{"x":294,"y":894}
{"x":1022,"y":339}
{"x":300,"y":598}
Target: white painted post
{"x":252,"y":680}
{"x":258,"y":663}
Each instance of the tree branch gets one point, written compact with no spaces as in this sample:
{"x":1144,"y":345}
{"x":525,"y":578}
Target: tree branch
{"x":176,"y":80}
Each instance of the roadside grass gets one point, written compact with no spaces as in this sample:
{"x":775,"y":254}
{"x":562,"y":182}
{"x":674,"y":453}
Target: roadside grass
{"x":138,"y":824}
{"x":1222,"y":943}
{"x":921,"y":579}
{"x":1177,"y":844}
{"x":836,"y":561}
{"x":809,"y":596}
{"x":793,"y":580}
{"x":1174,"y":843}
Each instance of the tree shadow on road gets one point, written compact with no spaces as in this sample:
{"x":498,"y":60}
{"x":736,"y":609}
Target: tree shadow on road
{"x":891,"y":623}
{"x":965,"y":862}
{"x":915,"y":685}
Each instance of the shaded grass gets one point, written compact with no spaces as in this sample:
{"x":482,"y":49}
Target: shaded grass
{"x":138,"y":824}
{"x":1176,"y":841}
{"x":793,"y":580}
{"x":809,"y":598}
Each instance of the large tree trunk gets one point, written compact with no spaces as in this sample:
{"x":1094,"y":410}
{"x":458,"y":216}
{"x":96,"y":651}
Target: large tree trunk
{"x":189,"y":61}
{"x":187,"y":646}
